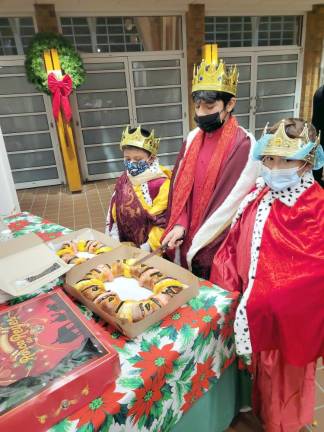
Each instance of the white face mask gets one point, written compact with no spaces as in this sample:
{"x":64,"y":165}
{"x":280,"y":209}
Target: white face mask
{"x":278,"y":179}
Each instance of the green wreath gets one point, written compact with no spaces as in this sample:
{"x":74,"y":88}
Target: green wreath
{"x":70,"y":60}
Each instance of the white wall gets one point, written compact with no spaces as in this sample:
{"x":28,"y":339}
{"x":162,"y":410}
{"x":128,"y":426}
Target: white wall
{"x":8,"y":197}
{"x":132,"y":7}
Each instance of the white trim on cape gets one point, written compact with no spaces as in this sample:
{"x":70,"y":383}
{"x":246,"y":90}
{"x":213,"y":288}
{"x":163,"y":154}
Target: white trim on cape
{"x":222,"y":217}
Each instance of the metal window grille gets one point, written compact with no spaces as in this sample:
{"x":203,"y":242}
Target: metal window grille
{"x":7,"y":40}
{"x":253,"y":31}
{"x":102,"y":34}
{"x":279,"y":30}
{"x":229,"y":31}
{"x":77,"y":31}
{"x":15,"y":35}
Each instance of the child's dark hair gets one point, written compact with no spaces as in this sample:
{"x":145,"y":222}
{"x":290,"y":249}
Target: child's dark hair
{"x":294,"y":127}
{"x":210,"y":96}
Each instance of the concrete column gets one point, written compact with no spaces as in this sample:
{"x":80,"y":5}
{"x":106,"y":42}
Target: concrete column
{"x":195,"y":23}
{"x":46,"y":18}
{"x":312,"y":59}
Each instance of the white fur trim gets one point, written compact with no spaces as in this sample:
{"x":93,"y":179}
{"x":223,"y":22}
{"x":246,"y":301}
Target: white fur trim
{"x":215,"y":224}
{"x":241,"y":326}
{"x":146,"y":193}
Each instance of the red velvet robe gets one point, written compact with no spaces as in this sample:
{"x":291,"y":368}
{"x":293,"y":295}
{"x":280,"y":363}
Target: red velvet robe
{"x":231,"y":168}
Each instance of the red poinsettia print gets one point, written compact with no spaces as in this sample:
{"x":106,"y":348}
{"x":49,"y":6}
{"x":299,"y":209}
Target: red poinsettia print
{"x":182,"y":316}
{"x":157,"y":361}
{"x":17,"y":226}
{"x":48,"y":236}
{"x":234,"y":295}
{"x":204,"y":372}
{"x":227,"y":327}
{"x":191,"y":397}
{"x":95,"y":412}
{"x":227,"y":363}
{"x":207,"y":320}
{"x":206,"y":283}
{"x":146,"y":396}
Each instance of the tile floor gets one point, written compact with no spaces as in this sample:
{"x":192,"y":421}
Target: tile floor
{"x":89,"y":209}
{"x":75,"y":211}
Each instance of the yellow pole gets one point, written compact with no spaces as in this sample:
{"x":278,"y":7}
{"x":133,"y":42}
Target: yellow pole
{"x":210,"y":53}
{"x":65,"y":133}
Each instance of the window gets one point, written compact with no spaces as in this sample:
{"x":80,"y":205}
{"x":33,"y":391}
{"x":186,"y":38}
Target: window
{"x":253,"y":31}
{"x":229,"y":31}
{"x":123,"y":34}
{"x":116,"y":34}
{"x":15,"y":35}
{"x":279,"y":30}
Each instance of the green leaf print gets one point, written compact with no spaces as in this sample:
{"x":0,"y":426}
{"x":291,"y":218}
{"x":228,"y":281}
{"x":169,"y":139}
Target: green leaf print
{"x":209,"y":302}
{"x":167,"y":392}
{"x":186,"y":334}
{"x":188,"y":371}
{"x":145,"y":345}
{"x":156,"y":410}
{"x":107,"y":423}
{"x":131,"y":383}
{"x":120,"y":418}
{"x":86,"y":428}
{"x":64,"y":426}
{"x":135,"y":359}
{"x":169,"y":421}
{"x":196,"y":303}
{"x":142,"y":421}
{"x":180,"y":363}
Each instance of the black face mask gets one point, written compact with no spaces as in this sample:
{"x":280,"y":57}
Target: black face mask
{"x":209,"y":122}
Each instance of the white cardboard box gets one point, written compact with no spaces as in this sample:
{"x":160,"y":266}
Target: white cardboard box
{"x":26,"y":264}
{"x":168,"y":268}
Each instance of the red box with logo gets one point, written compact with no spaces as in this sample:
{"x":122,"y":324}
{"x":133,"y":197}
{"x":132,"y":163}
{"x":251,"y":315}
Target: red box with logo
{"x":53,"y":361}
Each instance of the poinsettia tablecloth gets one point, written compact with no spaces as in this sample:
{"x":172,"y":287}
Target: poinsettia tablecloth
{"x":164,"y":370}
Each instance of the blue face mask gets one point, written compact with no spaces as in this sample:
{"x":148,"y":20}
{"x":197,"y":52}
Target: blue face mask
{"x":278,"y":179}
{"x":136,"y":168}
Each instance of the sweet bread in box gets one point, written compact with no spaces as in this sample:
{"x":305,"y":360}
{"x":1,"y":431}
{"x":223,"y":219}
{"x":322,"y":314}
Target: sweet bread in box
{"x":71,"y":251}
{"x":95,"y":287}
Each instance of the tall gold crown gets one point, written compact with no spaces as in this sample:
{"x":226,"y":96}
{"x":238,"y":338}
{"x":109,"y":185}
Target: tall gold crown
{"x":282,"y":145}
{"x":137,"y":139}
{"x":214,"y":75}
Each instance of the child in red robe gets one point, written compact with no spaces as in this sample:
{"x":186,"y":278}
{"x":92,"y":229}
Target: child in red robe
{"x":274,"y":256}
{"x":213,"y":172}
{"x":137,"y":211}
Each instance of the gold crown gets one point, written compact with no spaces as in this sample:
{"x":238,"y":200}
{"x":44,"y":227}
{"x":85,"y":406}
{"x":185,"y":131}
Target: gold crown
{"x":214,"y":75}
{"x":282,"y":145}
{"x":137,"y":139}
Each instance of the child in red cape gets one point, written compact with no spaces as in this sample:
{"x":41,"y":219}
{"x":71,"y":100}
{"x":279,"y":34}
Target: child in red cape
{"x":274,"y":256}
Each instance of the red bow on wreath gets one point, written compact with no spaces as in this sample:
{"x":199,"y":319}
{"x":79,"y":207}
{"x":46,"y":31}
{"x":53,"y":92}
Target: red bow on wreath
{"x":61,"y":89}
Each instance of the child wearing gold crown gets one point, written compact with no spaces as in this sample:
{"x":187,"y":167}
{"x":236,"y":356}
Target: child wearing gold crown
{"x":274,"y":255}
{"x":138,"y":205}
{"x":214,"y":170}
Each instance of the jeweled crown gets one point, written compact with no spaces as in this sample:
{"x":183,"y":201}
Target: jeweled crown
{"x":280,"y":144}
{"x":214,"y":75}
{"x":137,"y":139}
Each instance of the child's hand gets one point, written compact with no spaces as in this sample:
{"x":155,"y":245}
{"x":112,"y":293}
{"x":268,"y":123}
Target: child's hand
{"x":175,"y":237}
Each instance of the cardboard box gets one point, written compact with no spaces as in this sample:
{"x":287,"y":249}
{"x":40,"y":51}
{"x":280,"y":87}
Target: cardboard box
{"x":54,"y":361}
{"x":26,"y":264}
{"x":83,"y":234}
{"x":123,"y":252}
